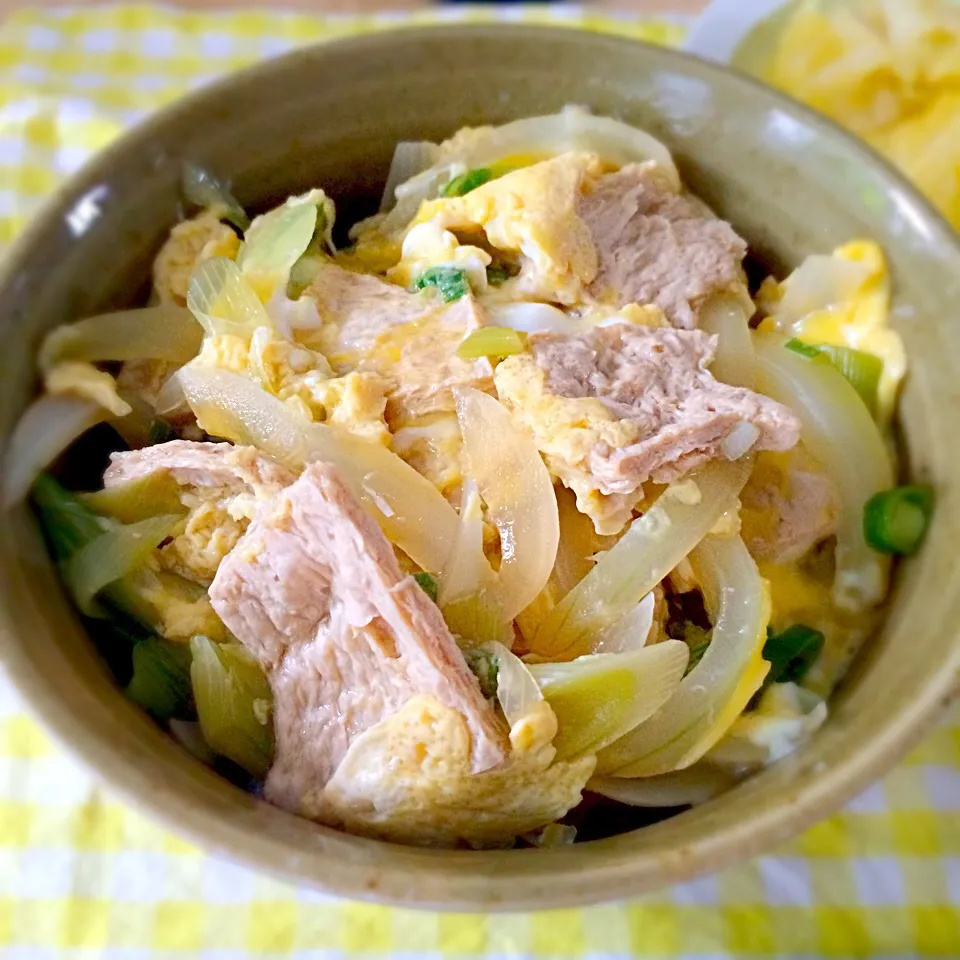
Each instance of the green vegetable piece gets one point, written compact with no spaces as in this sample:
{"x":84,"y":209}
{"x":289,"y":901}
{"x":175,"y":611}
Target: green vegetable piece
{"x":862,"y":370}
{"x":138,"y":499}
{"x":475,"y":618}
{"x":896,"y":521}
{"x":68,"y":523}
{"x":451,"y":282}
{"x":497,"y":275}
{"x":466,"y":182}
{"x":492,"y":342}
{"x":792,"y":653}
{"x":234,"y":703}
{"x":428,"y":583}
{"x":160,"y":432}
{"x":486,"y":668}
{"x":205,"y":190}
{"x":161,"y":679}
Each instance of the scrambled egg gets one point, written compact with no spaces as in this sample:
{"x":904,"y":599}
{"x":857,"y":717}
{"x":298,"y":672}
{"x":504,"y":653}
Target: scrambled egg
{"x":303,"y":379}
{"x":533,"y":212}
{"x":190,"y":243}
{"x":182,"y":608}
{"x":860,"y":321}
{"x":85,"y":380}
{"x":408,"y":779}
{"x":566,"y":431}
{"x":427,"y":245}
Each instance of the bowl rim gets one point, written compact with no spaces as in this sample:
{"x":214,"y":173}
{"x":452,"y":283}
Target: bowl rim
{"x":570,"y":883}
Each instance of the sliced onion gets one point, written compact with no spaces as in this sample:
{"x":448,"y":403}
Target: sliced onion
{"x":822,"y":281}
{"x":410,"y":157}
{"x":717,"y":690}
{"x":652,"y":546}
{"x":631,"y":631}
{"x":573,"y":129}
{"x":223,"y":301}
{"x":734,"y":362}
{"x":600,"y":697}
{"x":517,"y":691}
{"x":409,"y":509}
{"x":274,"y":243}
{"x":467,"y":570}
{"x":683,"y":788}
{"x":48,"y":426}
{"x":740,"y":440}
{"x":838,"y":430}
{"x":531,"y":318}
{"x":205,"y":190}
{"x":153,"y":333}
{"x":113,"y":555}
{"x":501,"y":456}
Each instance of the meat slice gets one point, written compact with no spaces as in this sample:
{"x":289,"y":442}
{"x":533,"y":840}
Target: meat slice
{"x":222,"y":486}
{"x":619,"y":405}
{"x":656,"y":246}
{"x":408,"y":339}
{"x":315,"y":592}
{"x":203,"y":465}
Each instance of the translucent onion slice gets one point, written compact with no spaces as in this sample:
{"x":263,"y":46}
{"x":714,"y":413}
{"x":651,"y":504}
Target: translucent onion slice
{"x":717,"y":690}
{"x":501,"y":456}
{"x":234,"y":703}
{"x":410,"y":157}
{"x":631,"y":631}
{"x":839,"y":431}
{"x":409,"y":509}
{"x":683,"y":788}
{"x":113,"y":555}
{"x":274,"y":243}
{"x":734,"y":362}
{"x":573,"y":129}
{"x":48,"y":426}
{"x":153,"y":333}
{"x":601,"y":697}
{"x":205,"y":190}
{"x":653,"y":545}
{"x":467,"y":570}
{"x":531,"y":318}
{"x":518,"y":693}
{"x":223,"y":301}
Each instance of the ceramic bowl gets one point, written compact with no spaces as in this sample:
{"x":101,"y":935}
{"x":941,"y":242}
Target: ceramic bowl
{"x":790,"y":182}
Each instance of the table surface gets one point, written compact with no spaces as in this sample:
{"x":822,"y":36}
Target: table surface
{"x":360,"y":6}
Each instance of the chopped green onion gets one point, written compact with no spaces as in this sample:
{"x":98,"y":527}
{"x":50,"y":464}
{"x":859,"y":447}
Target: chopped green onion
{"x":792,"y":653}
{"x":161,"y":679}
{"x":497,"y":275}
{"x":466,"y":182}
{"x":205,"y":190}
{"x":486,"y":668}
{"x":428,"y":584}
{"x":492,"y":342}
{"x":451,"y":282}
{"x":697,"y":639}
{"x":234,"y":703}
{"x":862,"y":370}
{"x":895,"y":521}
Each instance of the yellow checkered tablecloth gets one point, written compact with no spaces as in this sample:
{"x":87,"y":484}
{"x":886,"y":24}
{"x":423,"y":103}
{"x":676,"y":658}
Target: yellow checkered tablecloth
{"x":83,"y":877}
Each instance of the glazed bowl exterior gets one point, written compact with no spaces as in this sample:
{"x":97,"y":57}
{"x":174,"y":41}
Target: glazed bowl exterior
{"x":789,"y":181}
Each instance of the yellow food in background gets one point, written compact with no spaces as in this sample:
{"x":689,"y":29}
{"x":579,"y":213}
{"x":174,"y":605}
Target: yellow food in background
{"x":888,"y":70}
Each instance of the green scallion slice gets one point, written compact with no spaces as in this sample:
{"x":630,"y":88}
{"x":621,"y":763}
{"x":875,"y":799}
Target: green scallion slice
{"x":451,"y":282}
{"x":896,"y":521}
{"x":466,"y":182}
{"x":862,"y":370}
{"x":428,"y":584}
{"x":792,"y":652}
